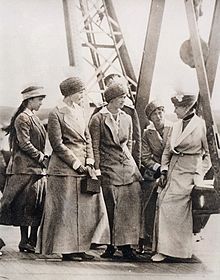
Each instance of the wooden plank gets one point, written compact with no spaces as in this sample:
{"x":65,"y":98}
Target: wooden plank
{"x":204,"y":90}
{"x":149,"y":58}
{"x":214,"y":47}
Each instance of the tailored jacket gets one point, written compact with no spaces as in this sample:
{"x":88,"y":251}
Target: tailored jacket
{"x":136,"y":135}
{"x":153,"y":145}
{"x":71,"y":143}
{"x":112,"y":150}
{"x":192,"y":148}
{"x":28,"y":149}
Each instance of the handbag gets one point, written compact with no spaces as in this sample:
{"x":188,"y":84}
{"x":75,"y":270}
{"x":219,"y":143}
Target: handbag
{"x":205,"y":200}
{"x":90,"y":185}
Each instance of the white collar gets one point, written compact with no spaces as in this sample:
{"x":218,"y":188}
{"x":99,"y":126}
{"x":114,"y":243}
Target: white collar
{"x":28,"y":112}
{"x":105,"y":110}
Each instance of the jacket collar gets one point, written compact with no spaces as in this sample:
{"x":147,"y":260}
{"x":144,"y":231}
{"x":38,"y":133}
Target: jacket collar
{"x":36,"y":120}
{"x":109,"y":121}
{"x":69,"y":117}
{"x":178,"y":135}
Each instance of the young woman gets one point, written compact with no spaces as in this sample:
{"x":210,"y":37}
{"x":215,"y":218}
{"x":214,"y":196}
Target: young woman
{"x":184,"y":162}
{"x":111,"y":131}
{"x":153,"y":143}
{"x":72,"y":220}
{"x":21,"y":204}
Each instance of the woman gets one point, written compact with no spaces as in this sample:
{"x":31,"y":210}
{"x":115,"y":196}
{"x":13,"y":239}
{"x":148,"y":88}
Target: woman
{"x":21,"y":204}
{"x":111,"y":131}
{"x":153,"y":143}
{"x":72,"y":220}
{"x":184,"y":162}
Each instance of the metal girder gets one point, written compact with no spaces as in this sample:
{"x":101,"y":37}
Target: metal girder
{"x":204,"y":90}
{"x":149,"y":58}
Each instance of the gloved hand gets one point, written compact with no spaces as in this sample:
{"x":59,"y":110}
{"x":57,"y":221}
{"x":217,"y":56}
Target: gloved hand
{"x":81,"y":170}
{"x":157,"y":174}
{"x":45,"y":161}
{"x":163,"y":179}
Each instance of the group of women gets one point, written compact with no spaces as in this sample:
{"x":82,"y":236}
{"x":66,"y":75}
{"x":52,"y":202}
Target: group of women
{"x":130,"y":208}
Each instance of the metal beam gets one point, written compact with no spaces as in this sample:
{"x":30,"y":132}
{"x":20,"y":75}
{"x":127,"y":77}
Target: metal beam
{"x":126,"y":61}
{"x":204,"y":91}
{"x":149,"y":58}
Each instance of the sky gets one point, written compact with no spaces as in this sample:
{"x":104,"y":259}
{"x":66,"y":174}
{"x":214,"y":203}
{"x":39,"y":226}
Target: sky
{"x":34,"y":50}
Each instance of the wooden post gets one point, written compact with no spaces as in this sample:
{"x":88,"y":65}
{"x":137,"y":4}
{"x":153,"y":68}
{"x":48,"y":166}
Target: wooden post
{"x":214,"y":47}
{"x":149,"y":58}
{"x":204,"y":91}
{"x":72,"y":33}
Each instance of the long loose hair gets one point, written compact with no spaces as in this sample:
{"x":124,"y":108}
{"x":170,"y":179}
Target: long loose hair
{"x":10,"y":129}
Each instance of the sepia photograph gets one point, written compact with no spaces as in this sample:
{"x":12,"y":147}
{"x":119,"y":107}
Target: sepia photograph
{"x":109,"y":139}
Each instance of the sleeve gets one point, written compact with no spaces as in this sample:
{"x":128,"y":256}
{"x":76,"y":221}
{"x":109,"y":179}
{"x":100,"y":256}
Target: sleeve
{"x":146,"y":154}
{"x":22,"y":127}
{"x":89,"y":150}
{"x":95,"y":131}
{"x":56,"y":141}
{"x":166,"y":156}
{"x":206,"y":165}
{"x":129,"y":143}
{"x":136,"y":138}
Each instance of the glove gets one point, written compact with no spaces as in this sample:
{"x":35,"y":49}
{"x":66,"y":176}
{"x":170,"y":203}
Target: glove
{"x":163,"y":179}
{"x":81,"y":170}
{"x":157,"y":174}
{"x":45,"y":161}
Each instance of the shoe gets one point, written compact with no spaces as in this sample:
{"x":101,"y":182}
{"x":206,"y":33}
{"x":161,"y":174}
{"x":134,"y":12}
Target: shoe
{"x":108,"y":254}
{"x":86,"y":257}
{"x":158,"y":257}
{"x":72,"y":257}
{"x":26,"y":248}
{"x":2,"y":243}
{"x":131,"y":256}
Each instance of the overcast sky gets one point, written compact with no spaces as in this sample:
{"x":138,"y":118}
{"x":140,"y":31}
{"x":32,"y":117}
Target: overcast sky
{"x":33,"y":46}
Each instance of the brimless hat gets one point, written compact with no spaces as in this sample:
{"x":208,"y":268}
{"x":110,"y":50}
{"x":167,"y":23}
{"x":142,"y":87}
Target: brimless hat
{"x":33,"y":91}
{"x":152,"y":106}
{"x":184,"y":99}
{"x":71,"y":86}
{"x":113,"y":91}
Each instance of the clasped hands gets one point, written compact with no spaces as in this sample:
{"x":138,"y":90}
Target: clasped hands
{"x":88,"y":169}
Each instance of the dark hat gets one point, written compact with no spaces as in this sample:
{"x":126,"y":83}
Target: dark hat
{"x":113,"y":91}
{"x":33,"y":91}
{"x":152,"y":106}
{"x":183,"y":99}
{"x":71,"y":86}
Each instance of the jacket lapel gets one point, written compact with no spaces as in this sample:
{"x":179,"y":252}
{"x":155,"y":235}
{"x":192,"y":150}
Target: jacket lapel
{"x":181,"y":135}
{"x":110,"y":124}
{"x":71,"y":121}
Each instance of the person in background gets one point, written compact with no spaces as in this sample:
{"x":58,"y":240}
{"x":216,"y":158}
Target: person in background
{"x":111,"y":132}
{"x":22,"y":200}
{"x":153,"y":143}
{"x":185,"y":161}
{"x":131,"y":111}
{"x":72,"y":220}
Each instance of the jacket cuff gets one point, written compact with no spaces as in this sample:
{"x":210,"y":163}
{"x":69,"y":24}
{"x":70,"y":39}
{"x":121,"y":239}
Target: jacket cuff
{"x":90,"y":161}
{"x":76,"y":164}
{"x":98,"y":172}
{"x":156,"y":166}
{"x":41,"y":157}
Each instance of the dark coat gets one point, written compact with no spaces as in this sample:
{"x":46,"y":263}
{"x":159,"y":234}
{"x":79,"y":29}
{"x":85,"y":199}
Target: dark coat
{"x":136,"y":135}
{"x":112,"y":152}
{"x":29,"y":146}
